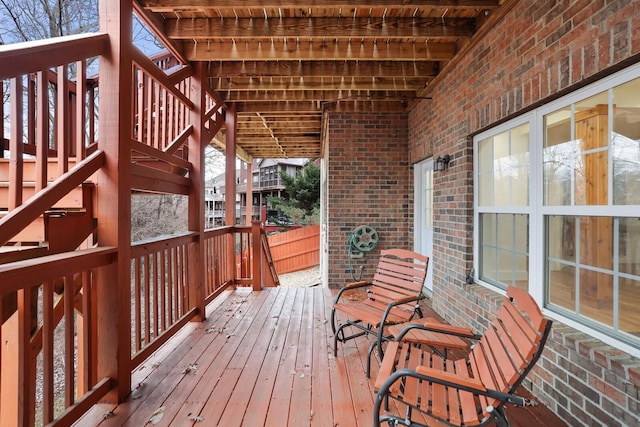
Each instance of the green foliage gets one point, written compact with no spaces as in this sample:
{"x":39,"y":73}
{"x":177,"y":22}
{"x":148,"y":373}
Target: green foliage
{"x":303,"y":203}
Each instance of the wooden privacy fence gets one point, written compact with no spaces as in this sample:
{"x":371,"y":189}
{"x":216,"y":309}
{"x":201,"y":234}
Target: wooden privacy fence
{"x":296,"y":250}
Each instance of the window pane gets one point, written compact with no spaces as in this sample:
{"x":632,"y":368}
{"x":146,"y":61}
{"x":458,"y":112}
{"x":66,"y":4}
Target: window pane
{"x":521,"y":240}
{"x":557,"y":127}
{"x":485,"y":155}
{"x":488,"y":230}
{"x":520,"y":182}
{"x":558,"y":171}
{"x":503,"y":168}
{"x":591,"y":185}
{"x":629,"y":246}
{"x":562,"y":285}
{"x":596,"y":242}
{"x":488,"y":267}
{"x":629,"y":306}
{"x":596,"y":296}
{"x":428,"y":198}
{"x":505,"y":249}
{"x":485,"y":190}
{"x":561,"y":238}
{"x":625,"y":141}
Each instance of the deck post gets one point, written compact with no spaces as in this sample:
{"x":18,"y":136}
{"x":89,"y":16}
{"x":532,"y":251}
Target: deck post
{"x":196,"y":195}
{"x":230,"y":184}
{"x":256,"y":244}
{"x":113,"y":285}
{"x":249,"y":194}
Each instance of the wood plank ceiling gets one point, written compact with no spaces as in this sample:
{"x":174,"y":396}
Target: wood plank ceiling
{"x":284,"y":64}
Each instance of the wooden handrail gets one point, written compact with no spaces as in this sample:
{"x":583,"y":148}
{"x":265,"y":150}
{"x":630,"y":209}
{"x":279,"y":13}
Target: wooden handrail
{"x":29,"y":57}
{"x":32,"y":272}
{"x":23,"y":215}
{"x":145,"y":247}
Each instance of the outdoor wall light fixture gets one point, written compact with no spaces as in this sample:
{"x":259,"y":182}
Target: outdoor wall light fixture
{"x":442,"y":163}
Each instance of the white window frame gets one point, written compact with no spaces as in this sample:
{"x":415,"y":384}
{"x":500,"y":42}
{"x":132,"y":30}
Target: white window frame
{"x":537,"y":211}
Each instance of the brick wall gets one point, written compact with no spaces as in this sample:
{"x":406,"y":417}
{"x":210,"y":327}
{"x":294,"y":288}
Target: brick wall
{"x":539,"y":51}
{"x":369,"y":183}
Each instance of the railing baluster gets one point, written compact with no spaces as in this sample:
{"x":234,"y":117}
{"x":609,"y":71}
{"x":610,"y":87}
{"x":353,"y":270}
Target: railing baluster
{"x":80,"y":113}
{"x":48,"y":327}
{"x":146,"y":301}
{"x":62,"y":120}
{"x":69,"y":334}
{"x":137,"y":286}
{"x":16,"y":144}
{"x":156,"y":289}
{"x":42,"y":136}
{"x":26,"y":374}
{"x":157,"y":116}
{"x":148,"y":106}
{"x":31,"y":108}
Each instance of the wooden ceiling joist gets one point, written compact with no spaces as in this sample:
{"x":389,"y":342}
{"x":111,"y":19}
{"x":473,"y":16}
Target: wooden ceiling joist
{"x":200,"y":5}
{"x":355,"y":50}
{"x":283,"y":65}
{"x":318,"y":28}
{"x":232,"y":69}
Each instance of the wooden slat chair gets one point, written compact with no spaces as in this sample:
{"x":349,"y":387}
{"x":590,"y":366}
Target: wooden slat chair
{"x":471,"y":390}
{"x":392,"y":297}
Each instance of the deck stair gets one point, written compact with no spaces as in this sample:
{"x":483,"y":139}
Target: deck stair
{"x":64,"y":227}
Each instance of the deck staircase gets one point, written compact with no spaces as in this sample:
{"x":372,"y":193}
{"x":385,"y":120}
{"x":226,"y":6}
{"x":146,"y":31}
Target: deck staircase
{"x":63,"y":227}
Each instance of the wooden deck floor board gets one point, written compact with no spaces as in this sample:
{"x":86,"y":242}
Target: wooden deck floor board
{"x":217,"y":369}
{"x":300,"y":404}
{"x":321,"y":409}
{"x":198,"y":371}
{"x":246,"y":384}
{"x":273,"y":365}
{"x":281,"y":397}
{"x":258,"y":407}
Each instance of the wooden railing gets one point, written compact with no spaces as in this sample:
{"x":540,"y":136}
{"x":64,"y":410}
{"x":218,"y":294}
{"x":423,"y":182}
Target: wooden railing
{"x":65,"y":283}
{"x":160,"y":297}
{"x":49,"y":115}
{"x":160,"y":306}
{"x":59,"y":300}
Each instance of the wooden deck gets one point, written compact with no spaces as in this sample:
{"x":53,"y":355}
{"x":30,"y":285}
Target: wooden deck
{"x":260,"y":359}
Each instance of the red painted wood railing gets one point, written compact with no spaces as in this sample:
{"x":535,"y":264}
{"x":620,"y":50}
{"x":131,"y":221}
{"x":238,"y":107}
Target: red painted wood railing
{"x":53,"y":300}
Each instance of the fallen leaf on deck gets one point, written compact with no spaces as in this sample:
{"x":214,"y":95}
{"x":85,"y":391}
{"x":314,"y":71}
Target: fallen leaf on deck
{"x":196,"y":418}
{"x":156,"y":416}
{"x":191,"y":368}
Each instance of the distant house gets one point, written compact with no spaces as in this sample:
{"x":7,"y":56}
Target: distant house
{"x":266,"y":181}
{"x":214,"y":202}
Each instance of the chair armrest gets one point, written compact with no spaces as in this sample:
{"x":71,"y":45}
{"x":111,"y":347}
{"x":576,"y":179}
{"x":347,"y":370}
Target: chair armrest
{"x":434,"y":326}
{"x":450,"y":379}
{"x":444,"y":328}
{"x":406,"y":299}
{"x":356,"y":285}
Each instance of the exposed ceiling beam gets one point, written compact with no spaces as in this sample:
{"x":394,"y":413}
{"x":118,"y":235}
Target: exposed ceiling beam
{"x":328,"y":50}
{"x":172,"y":5}
{"x":322,"y":68}
{"x":287,"y":107}
{"x":311,"y":84}
{"x":304,"y":95}
{"x":329,"y":28}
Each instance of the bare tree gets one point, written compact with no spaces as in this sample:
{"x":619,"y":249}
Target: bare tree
{"x":157,"y":215}
{"x":25,"y":20}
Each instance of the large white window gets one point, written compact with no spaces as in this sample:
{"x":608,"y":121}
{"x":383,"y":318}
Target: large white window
{"x":557,"y":205}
